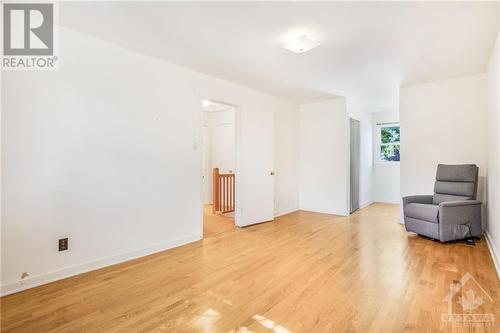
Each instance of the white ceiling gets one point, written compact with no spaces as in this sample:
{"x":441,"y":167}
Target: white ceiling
{"x":367,"y":51}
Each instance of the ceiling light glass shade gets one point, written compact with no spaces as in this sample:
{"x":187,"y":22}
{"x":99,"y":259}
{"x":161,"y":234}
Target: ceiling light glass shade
{"x":301,"y":44}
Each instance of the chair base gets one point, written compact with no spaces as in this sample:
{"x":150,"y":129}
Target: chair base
{"x":470,"y":241}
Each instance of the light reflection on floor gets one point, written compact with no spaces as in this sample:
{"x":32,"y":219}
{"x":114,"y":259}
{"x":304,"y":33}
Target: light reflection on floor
{"x":268,"y":323}
{"x":207,"y":321}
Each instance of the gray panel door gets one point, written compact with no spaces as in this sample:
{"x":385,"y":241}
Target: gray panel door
{"x":354,"y":164}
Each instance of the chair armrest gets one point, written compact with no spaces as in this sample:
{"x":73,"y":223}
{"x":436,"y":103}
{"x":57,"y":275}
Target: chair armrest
{"x":459,"y":203}
{"x":459,"y":211}
{"x":423,"y":199}
{"x":459,"y":219}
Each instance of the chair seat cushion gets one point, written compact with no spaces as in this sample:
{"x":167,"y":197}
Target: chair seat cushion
{"x":426,"y":212}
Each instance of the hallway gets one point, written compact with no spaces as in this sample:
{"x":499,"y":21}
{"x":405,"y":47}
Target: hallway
{"x":214,"y":224}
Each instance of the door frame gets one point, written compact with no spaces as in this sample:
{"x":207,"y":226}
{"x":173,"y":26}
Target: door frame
{"x":237,"y":121}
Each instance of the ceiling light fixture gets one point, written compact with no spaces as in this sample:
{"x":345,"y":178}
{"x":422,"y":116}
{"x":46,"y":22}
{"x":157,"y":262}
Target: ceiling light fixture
{"x":301,"y":44}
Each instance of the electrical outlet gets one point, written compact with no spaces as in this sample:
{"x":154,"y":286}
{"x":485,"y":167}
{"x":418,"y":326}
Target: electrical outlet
{"x":63,"y":244}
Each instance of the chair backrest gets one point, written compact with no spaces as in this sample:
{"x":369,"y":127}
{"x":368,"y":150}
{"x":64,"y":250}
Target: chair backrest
{"x":455,"y":182}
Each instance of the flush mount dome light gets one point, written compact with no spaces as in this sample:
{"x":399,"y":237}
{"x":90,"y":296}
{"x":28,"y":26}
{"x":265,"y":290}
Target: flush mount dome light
{"x":301,"y":44}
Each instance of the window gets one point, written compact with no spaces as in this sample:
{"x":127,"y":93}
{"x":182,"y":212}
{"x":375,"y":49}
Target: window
{"x":389,"y":143}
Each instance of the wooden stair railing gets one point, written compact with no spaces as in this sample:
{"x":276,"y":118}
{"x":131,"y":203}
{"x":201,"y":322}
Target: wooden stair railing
{"x":223,"y":192}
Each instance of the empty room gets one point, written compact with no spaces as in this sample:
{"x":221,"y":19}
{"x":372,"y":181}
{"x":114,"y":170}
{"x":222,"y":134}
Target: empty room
{"x":238,"y":167}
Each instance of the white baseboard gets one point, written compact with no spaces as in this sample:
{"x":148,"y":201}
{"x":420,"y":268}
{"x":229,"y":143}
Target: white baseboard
{"x":331,"y":212}
{"x":286,"y":211}
{"x":323,"y":211}
{"x":388,"y":202}
{"x":366,"y":204}
{"x":66,"y":272}
{"x":494,"y":254}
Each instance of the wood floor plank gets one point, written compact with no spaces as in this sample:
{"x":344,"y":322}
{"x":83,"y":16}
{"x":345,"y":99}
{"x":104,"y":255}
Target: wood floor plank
{"x":305,"y":272}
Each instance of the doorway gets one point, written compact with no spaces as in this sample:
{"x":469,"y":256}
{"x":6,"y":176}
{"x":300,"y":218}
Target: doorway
{"x":219,"y":167}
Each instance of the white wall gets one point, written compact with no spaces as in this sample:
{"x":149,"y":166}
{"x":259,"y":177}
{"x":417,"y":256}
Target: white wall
{"x":493,"y":180}
{"x":286,"y":162}
{"x":365,"y":151}
{"x":442,"y":122}
{"x":324,"y":157}
{"x":104,"y":151}
{"x":220,"y":147}
{"x":386,"y":184}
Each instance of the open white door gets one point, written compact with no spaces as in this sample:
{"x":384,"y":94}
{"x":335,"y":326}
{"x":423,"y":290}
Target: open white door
{"x":255,"y":178}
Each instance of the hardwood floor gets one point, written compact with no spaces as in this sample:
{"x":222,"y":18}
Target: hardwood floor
{"x":305,"y":272}
{"x":214,"y":224}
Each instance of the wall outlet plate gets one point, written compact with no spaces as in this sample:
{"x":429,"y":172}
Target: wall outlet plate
{"x":63,"y":244}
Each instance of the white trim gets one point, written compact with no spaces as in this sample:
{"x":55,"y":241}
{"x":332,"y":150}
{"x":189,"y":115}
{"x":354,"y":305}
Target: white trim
{"x":494,"y":254}
{"x":388,"y":202}
{"x":387,"y":164}
{"x":238,"y":160}
{"x":66,"y":272}
{"x":285,"y":211}
{"x":322,"y":211}
{"x":366,"y":204}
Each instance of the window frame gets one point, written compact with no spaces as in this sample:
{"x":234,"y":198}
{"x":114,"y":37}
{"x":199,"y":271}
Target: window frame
{"x":380,"y":144}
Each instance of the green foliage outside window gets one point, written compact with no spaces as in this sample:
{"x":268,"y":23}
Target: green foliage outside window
{"x":389,"y":134}
{"x":389,"y":146}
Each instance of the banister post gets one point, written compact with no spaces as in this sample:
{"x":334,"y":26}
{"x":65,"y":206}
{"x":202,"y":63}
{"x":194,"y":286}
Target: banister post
{"x":215,"y":190}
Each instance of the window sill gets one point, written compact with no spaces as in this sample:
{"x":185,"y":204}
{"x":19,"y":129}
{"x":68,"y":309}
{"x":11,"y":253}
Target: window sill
{"x":387,"y":164}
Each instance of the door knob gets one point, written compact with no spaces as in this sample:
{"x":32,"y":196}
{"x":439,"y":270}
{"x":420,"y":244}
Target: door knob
{"x":272,"y":173}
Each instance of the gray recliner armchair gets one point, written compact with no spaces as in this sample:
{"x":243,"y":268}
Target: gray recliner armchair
{"x":453,"y":211}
